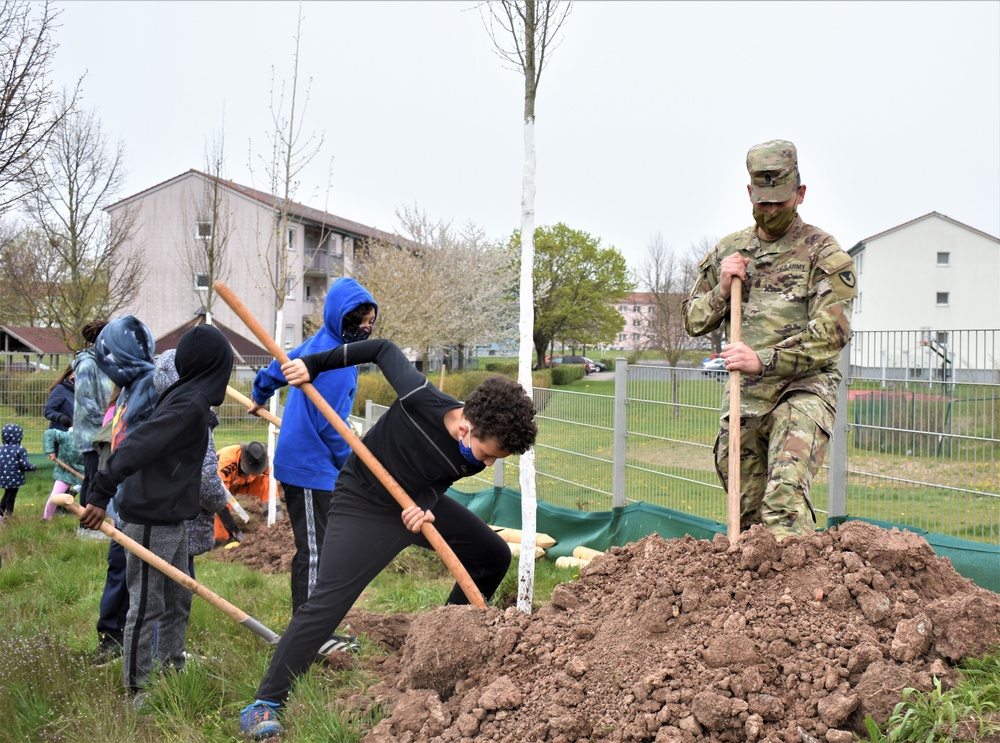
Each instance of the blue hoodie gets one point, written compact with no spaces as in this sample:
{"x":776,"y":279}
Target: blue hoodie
{"x":310,"y":452}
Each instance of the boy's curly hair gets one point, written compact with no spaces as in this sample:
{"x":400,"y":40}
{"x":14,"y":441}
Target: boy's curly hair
{"x":500,"y":409}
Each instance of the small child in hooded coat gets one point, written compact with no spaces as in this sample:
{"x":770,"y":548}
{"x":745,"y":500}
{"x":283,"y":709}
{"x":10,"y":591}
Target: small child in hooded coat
{"x":60,"y":446}
{"x":13,"y":464}
{"x":166,"y":455}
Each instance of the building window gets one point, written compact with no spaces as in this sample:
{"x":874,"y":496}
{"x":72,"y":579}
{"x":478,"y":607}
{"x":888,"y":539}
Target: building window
{"x":201,"y":281}
{"x":857,"y":304}
{"x":636,"y":308}
{"x":942,"y":299}
{"x":289,"y":289}
{"x":942,"y":337}
{"x":636,"y":323}
{"x":621,"y":308}
{"x":859,"y":262}
{"x":635,"y":336}
{"x":289,"y":337}
{"x":203,"y":231}
{"x":944,"y":259}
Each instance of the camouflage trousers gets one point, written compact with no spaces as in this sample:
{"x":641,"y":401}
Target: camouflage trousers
{"x":780,"y":454}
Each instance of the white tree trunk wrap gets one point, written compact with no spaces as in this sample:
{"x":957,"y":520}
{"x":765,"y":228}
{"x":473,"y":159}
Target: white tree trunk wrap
{"x":526,"y":562}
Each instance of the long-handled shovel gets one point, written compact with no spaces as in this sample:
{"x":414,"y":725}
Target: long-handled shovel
{"x":173,"y":573}
{"x":67,"y":467}
{"x":248,"y":403}
{"x":432,"y":535}
{"x":735,"y":332}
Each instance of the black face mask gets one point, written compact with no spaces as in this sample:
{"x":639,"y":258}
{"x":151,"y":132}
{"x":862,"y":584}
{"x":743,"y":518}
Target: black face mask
{"x":353,"y":335}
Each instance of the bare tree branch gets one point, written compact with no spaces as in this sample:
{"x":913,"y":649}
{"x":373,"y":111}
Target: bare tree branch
{"x":207,"y":229}
{"x":87,"y":264}
{"x":30,"y":109}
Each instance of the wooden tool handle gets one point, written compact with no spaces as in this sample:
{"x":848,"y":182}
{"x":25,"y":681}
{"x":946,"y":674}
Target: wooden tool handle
{"x":173,"y":573}
{"x":432,"y":535}
{"x":735,"y":335}
{"x":67,"y":467}
{"x":248,"y":403}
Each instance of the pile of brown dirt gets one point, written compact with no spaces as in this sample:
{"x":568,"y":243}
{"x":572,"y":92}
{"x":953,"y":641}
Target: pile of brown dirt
{"x":683,"y":640}
{"x":264,"y":548}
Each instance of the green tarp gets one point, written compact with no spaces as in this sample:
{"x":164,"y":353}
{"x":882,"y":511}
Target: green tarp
{"x":603,"y":529}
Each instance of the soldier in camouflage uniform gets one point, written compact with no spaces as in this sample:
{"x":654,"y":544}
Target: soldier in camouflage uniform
{"x":798,"y":289}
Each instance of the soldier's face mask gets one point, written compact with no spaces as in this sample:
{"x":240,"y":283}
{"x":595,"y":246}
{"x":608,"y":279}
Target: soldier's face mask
{"x":775,"y":223}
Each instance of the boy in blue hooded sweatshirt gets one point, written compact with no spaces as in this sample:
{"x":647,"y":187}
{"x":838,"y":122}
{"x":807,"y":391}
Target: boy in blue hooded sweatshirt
{"x":158,"y":466}
{"x":310,"y":452}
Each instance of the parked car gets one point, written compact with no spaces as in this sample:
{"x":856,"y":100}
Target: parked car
{"x":25,"y":367}
{"x":598,"y":365}
{"x":588,"y":365}
{"x":714,"y":366}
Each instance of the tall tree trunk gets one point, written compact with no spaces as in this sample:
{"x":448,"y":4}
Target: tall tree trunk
{"x":529,"y":503}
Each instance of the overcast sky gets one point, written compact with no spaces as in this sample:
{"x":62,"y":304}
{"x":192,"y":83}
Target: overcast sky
{"x":644,"y":114}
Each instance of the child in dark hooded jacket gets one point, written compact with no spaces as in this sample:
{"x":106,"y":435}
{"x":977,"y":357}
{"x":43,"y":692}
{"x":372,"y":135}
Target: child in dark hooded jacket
{"x":213,"y":492}
{"x":165,"y":454}
{"x":13,"y":464}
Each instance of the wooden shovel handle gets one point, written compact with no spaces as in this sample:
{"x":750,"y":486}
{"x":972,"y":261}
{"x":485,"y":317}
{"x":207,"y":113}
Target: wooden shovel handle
{"x":735,"y":335}
{"x":432,"y":535}
{"x":67,"y":467}
{"x":173,"y":573}
{"x":248,"y":403}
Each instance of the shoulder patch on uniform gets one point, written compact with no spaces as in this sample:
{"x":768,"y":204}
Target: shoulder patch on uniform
{"x":848,"y":278}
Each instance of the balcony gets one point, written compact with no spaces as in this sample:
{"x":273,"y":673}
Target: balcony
{"x":321,"y":263}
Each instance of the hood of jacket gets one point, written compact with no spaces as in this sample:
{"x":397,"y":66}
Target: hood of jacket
{"x":345,"y":294}
{"x":124,"y":350}
{"x":203,"y":361}
{"x":165,"y":373}
{"x":12,"y":434}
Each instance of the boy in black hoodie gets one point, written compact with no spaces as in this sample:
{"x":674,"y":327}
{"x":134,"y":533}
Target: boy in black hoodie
{"x":166,"y":453}
{"x":427,"y":440}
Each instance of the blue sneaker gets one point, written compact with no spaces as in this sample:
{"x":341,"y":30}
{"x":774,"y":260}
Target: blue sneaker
{"x":260,"y":720}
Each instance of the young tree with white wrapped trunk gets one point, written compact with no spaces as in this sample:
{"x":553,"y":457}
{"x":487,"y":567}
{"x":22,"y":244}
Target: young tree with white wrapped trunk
{"x":524,"y":32}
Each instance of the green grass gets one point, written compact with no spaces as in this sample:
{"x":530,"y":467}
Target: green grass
{"x":51,"y":583}
{"x":968,"y":712}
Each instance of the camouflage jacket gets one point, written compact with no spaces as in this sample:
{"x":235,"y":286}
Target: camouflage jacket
{"x":797,"y":303}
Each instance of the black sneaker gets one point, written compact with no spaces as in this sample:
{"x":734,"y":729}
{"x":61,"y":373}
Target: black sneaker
{"x":108,"y":649}
{"x":344,"y":643}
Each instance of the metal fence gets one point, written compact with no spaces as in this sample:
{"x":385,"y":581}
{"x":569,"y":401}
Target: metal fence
{"x":916,"y":441}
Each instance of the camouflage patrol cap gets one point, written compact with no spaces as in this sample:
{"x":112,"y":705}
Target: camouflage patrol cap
{"x":774,"y":171}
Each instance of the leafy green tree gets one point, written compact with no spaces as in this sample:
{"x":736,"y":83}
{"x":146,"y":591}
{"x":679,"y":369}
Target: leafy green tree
{"x":577,"y":283}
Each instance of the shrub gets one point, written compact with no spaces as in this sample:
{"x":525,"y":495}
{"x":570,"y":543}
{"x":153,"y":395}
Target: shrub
{"x":566,"y":373}
{"x":372,"y":386}
{"x":507,"y":368}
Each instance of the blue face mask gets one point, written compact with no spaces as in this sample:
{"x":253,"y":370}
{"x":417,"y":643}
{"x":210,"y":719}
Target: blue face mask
{"x":467,"y":453}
